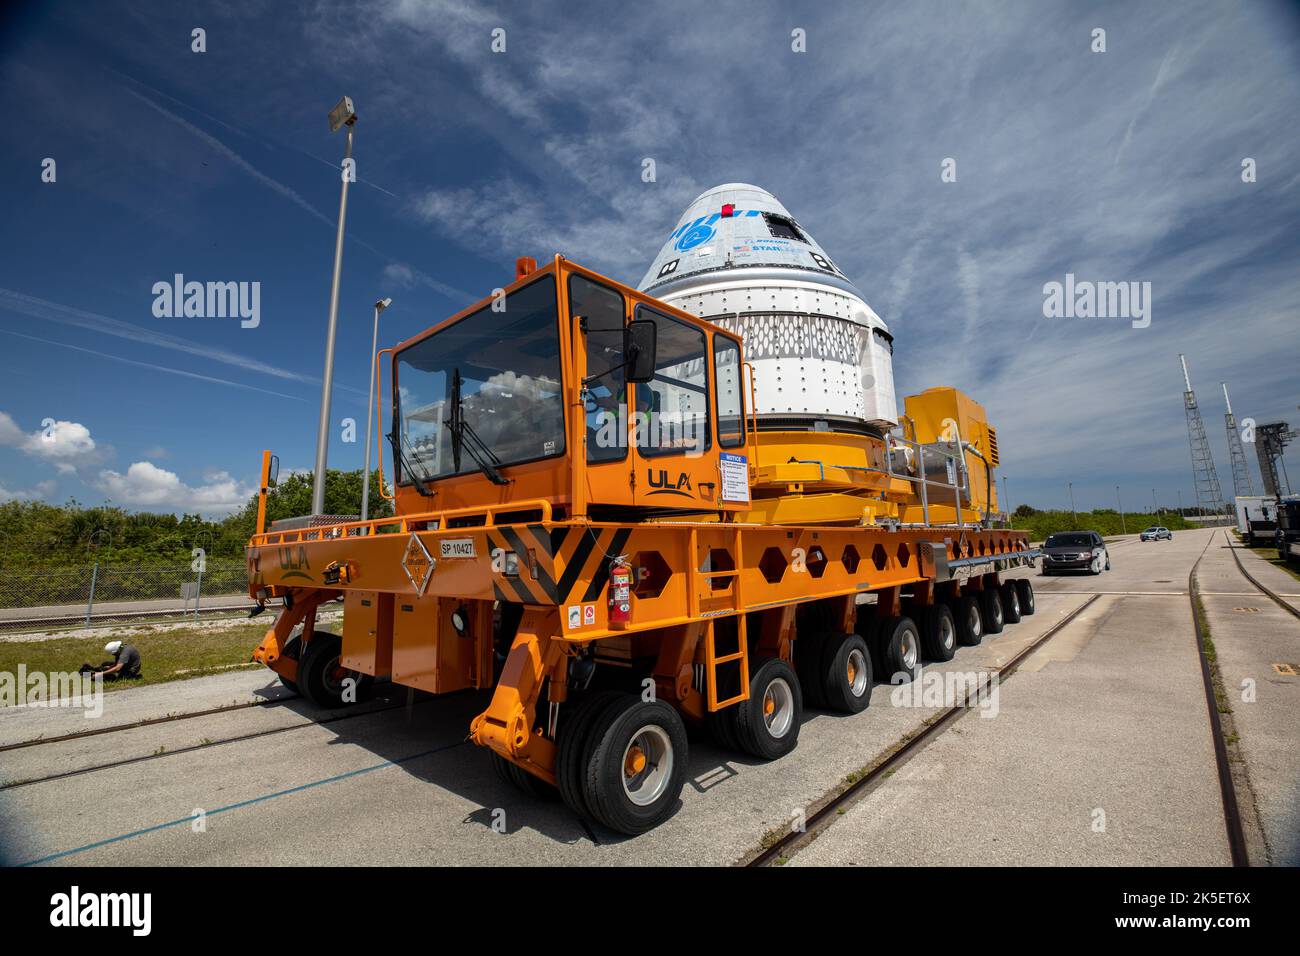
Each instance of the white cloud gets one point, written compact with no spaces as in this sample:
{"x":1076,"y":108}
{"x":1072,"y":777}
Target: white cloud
{"x":10,"y":433}
{"x":145,"y":485}
{"x":41,"y":490}
{"x":66,"y":445}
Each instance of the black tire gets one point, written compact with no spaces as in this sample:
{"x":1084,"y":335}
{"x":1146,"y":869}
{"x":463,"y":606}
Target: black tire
{"x":1010,"y":596}
{"x":576,"y":716}
{"x":899,"y":642}
{"x":768,"y":734}
{"x":291,"y":649}
{"x":846,"y":673}
{"x":722,"y":723}
{"x":968,"y":617}
{"x":611,"y":788}
{"x":1046,"y":573}
{"x":1026,"y":590}
{"x":522,"y":780}
{"x":321,"y":676}
{"x":868,"y":627}
{"x":938,"y":633}
{"x":808,"y":651}
{"x":991,"y":610}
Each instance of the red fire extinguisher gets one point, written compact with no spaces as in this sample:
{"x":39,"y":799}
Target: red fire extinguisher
{"x":620,"y":592}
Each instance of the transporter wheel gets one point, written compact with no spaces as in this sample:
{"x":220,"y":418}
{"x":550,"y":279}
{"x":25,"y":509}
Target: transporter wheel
{"x":846,"y":673}
{"x":868,"y":628}
{"x":938,"y":632}
{"x":521,"y":779}
{"x":767,"y":725}
{"x":576,"y":716}
{"x":291,"y":649}
{"x":969,"y":619}
{"x":899,"y":643}
{"x":991,"y":610}
{"x":1025,"y":588}
{"x":808,"y":651}
{"x":322,"y":678}
{"x":1010,"y":602}
{"x":637,"y":766}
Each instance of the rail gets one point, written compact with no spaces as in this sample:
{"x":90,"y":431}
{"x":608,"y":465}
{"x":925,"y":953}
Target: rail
{"x":403,"y":523}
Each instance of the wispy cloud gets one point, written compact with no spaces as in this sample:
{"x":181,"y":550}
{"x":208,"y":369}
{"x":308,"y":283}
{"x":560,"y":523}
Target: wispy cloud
{"x":94,"y":322}
{"x":157,"y":368}
{"x":243,"y":164}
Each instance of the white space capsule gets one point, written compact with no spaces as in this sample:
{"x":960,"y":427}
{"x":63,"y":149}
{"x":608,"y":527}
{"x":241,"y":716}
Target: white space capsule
{"x":822,"y":358}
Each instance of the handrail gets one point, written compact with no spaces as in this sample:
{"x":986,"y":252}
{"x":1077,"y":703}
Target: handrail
{"x":341,"y":530}
{"x":753,"y":406}
{"x":379,"y":425}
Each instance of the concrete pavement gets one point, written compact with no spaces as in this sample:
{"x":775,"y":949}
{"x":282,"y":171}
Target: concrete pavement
{"x":1108,"y":715}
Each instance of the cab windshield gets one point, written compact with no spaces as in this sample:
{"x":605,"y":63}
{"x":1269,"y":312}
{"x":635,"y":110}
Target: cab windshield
{"x":1068,"y":541}
{"x":503,"y":365}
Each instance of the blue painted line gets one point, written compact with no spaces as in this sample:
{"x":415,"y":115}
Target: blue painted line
{"x":240,"y":805}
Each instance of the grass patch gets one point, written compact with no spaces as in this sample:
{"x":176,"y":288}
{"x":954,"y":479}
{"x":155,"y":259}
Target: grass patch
{"x":174,"y":654}
{"x":1269,"y":555}
{"x":1106,"y":522}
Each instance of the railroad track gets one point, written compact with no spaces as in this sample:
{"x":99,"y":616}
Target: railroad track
{"x":1227,"y":789}
{"x":117,"y":617}
{"x":826,"y":814}
{"x":1284,"y":605}
{"x":237,"y":738}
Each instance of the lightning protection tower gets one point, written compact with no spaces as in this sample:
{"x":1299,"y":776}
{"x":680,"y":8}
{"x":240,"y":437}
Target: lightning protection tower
{"x":1209,"y":499}
{"x":1241,"y":483}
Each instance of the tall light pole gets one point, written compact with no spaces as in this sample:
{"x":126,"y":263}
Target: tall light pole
{"x":1180,"y":502}
{"x":370,"y":414}
{"x":1006,"y":500}
{"x":1122,"y":528}
{"x":1155,"y":508}
{"x":342,"y":115}
{"x":1072,"y":508}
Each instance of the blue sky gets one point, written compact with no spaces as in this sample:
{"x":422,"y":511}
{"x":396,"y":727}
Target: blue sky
{"x":1115,"y":166}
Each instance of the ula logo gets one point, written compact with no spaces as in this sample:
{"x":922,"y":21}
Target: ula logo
{"x":293,"y":561}
{"x":208,"y":300}
{"x":103,"y":909}
{"x":666,"y":486}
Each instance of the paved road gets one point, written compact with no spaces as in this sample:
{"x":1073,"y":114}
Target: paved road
{"x":1258,"y":649}
{"x":207,"y":602}
{"x":1111,"y":716}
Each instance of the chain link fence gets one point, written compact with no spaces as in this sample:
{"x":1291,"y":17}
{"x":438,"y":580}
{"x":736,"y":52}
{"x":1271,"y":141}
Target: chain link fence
{"x":29,"y":596}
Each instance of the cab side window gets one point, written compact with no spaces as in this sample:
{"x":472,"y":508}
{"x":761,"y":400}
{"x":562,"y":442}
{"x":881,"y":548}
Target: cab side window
{"x":672,"y":410}
{"x":606,"y":398}
{"x":731,"y":407}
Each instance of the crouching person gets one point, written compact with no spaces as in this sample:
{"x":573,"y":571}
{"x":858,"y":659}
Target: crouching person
{"x":124,"y":665}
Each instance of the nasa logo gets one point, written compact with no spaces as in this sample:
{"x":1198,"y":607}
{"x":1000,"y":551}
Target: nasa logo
{"x":698,"y":234}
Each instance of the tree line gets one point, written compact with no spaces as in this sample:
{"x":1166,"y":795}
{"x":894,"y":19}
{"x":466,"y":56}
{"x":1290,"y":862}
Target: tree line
{"x":35,"y":534}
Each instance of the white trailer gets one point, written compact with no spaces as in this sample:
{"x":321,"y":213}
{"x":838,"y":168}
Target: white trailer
{"x":1257,"y":519}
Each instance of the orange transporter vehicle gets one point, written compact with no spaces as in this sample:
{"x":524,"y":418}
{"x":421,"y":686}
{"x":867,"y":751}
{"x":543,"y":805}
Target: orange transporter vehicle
{"x":590,"y":524}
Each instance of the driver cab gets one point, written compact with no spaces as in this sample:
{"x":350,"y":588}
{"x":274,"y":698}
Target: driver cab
{"x":662,"y":402}
{"x":571,"y":388}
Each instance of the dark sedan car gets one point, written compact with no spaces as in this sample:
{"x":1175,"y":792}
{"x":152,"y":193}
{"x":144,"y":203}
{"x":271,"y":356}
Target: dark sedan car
{"x":1075,"y":551}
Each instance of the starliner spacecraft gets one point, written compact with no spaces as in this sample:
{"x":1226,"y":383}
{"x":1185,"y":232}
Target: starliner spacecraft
{"x":822,"y":358}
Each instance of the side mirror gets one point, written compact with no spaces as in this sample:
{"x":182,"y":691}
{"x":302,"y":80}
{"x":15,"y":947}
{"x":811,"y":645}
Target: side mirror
{"x":639,"y":341}
{"x":273,"y":473}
